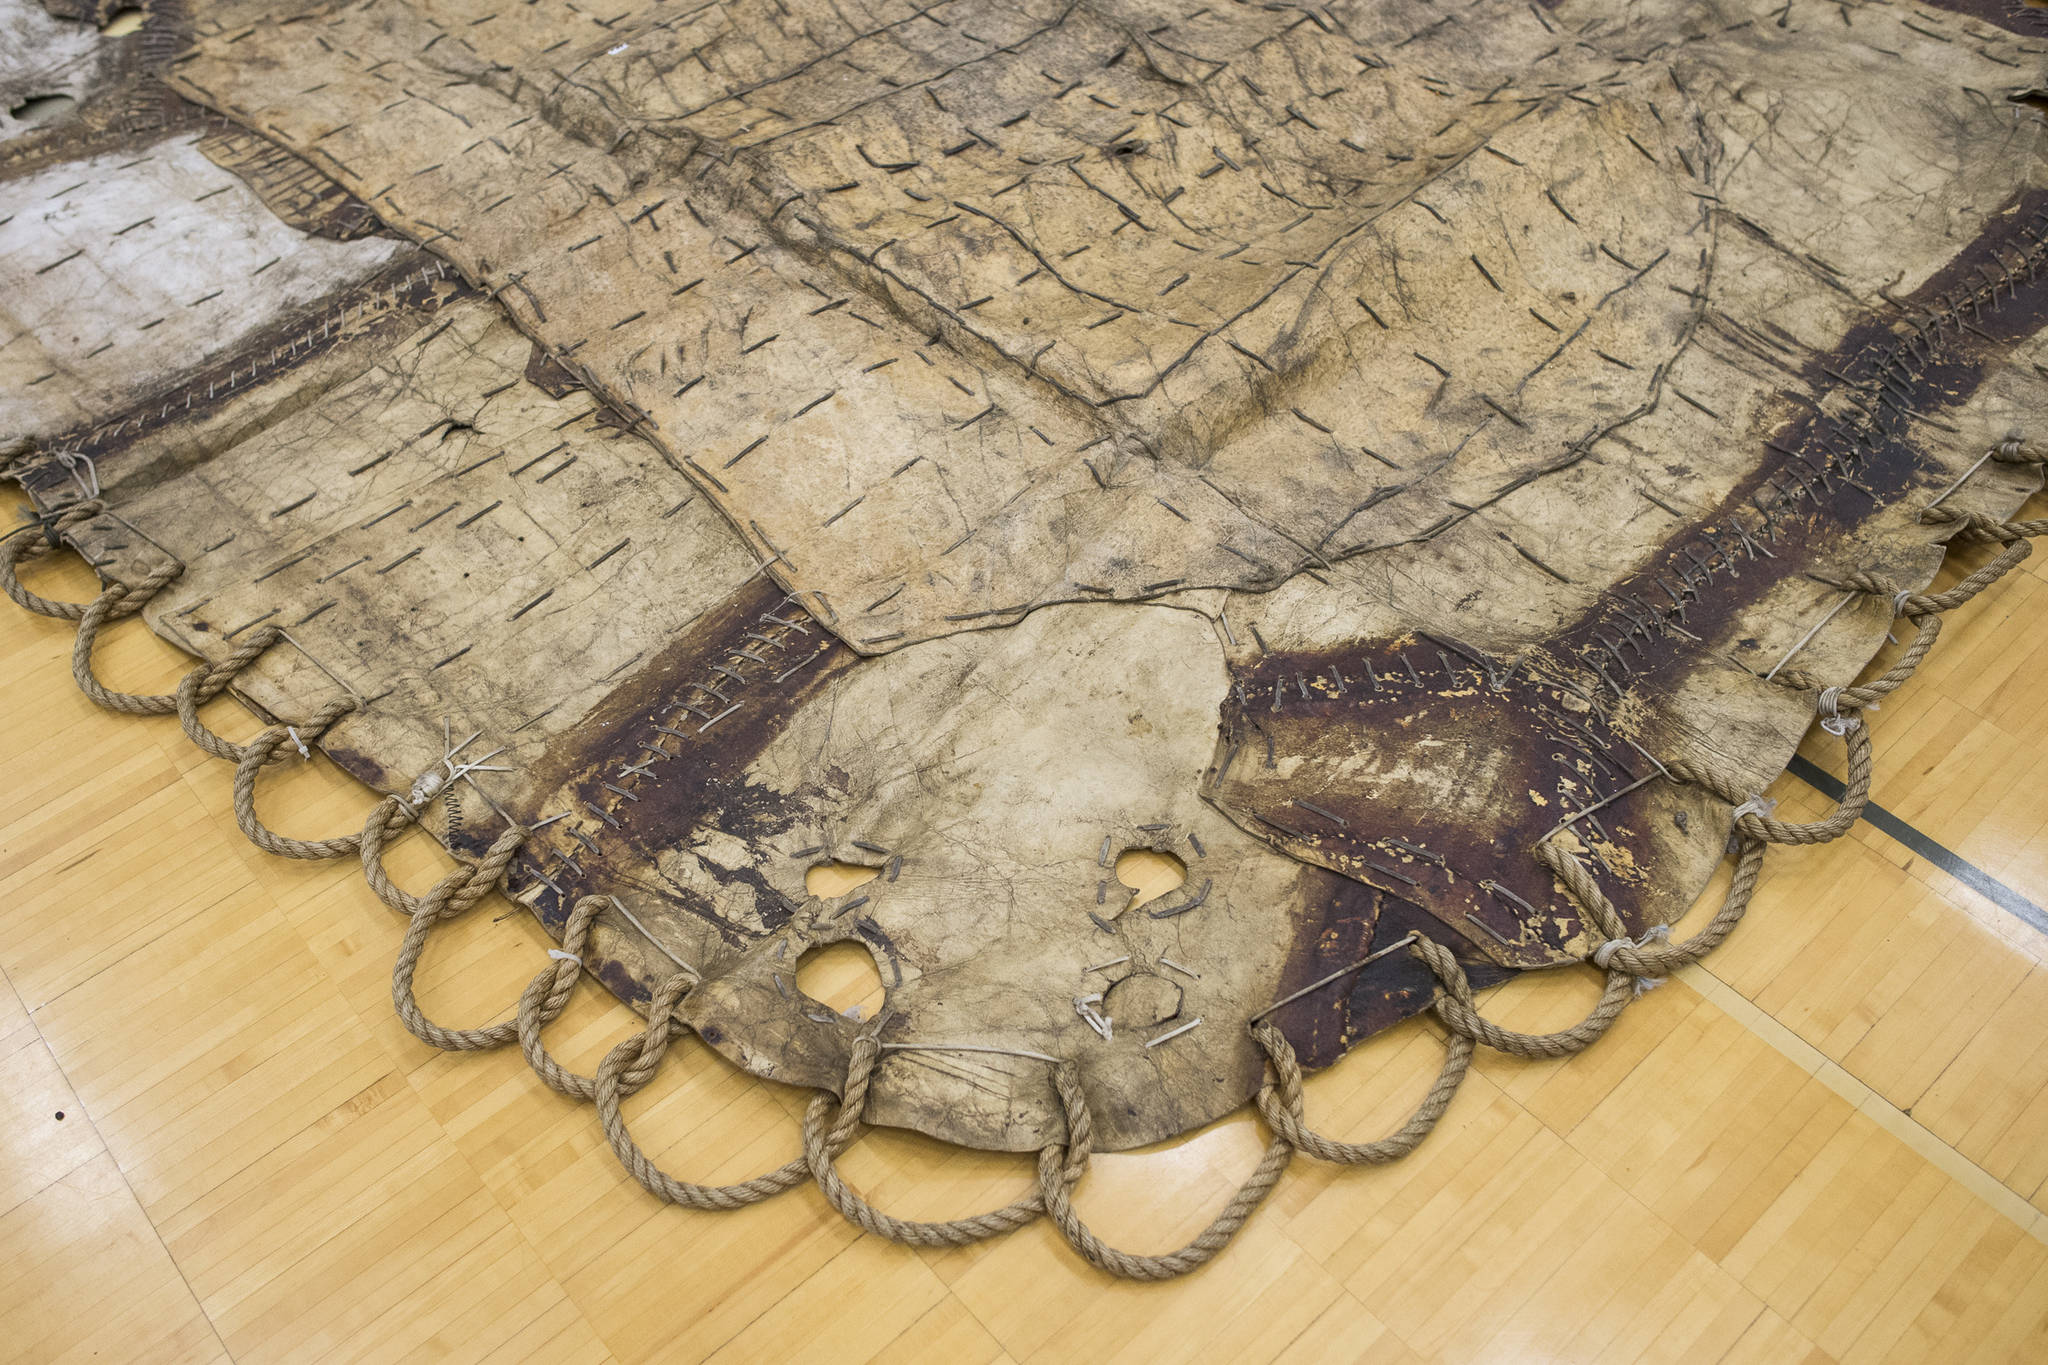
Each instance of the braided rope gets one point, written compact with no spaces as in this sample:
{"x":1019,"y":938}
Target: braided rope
{"x":1059,"y":1204}
{"x":450,"y":898}
{"x":391,"y":815}
{"x":1724,"y":783}
{"x":536,"y":1005}
{"x":545,"y":996}
{"x":1978,"y":529}
{"x":1455,"y":1008}
{"x":1927,"y":629}
{"x":1640,"y":960}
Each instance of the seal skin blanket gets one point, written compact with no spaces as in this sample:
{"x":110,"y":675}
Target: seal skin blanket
{"x":1421,"y":467}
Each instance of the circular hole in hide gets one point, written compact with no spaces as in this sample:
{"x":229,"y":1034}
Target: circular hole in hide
{"x":1149,"y":874}
{"x":841,"y":976}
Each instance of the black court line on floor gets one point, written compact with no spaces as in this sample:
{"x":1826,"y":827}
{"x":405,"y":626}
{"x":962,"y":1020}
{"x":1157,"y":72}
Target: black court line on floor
{"x":1963,"y":870}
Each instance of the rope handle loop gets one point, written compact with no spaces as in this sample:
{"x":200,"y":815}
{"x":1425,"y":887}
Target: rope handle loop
{"x":1649,"y":962}
{"x":451,"y":897}
{"x":264,"y":750}
{"x":1925,"y":610}
{"x":632,"y":1064}
{"x":208,"y":680}
{"x":1281,"y":1102}
{"x":831,"y":1126}
{"x":1454,"y":1006}
{"x":547,"y":995}
{"x":1054,"y":1183}
{"x":115,"y":601}
{"x":1753,"y":823}
{"x":18,"y":549}
{"x":391,"y":815}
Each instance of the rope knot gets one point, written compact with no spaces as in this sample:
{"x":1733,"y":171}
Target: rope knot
{"x":1280,"y":1099}
{"x":1828,"y":706}
{"x":1759,"y":805}
{"x":1649,"y":975}
{"x":17,"y":549}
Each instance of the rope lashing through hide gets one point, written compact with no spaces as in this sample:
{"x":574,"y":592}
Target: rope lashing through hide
{"x":832,"y":1123}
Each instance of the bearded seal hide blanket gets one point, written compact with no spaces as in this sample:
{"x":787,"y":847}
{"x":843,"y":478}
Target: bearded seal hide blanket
{"x":1423,"y":466}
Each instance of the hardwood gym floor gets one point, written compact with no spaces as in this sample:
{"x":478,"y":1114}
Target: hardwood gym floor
{"x":217,"y":1143}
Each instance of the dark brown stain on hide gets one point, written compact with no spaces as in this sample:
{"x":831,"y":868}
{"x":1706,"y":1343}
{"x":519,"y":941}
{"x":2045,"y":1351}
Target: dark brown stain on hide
{"x":672,"y":705}
{"x":1531,"y":745}
{"x":2014,"y":16}
{"x":1349,"y":918}
{"x":1505,"y":745}
{"x":547,"y":374}
{"x":298,"y":194}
